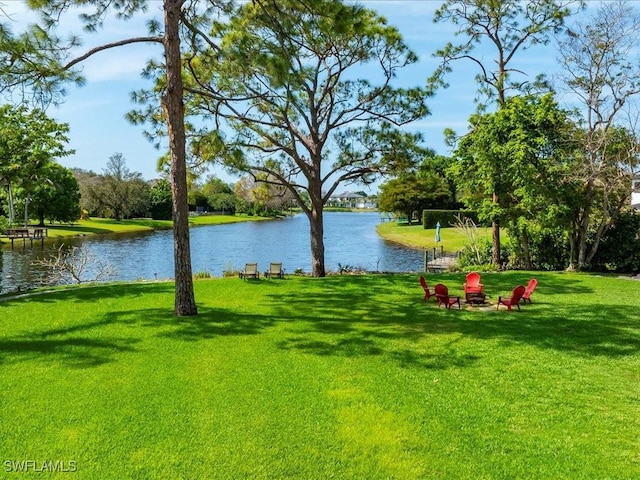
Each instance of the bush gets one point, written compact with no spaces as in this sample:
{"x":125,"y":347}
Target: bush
{"x":201,"y":275}
{"x":223,"y":202}
{"x":548,"y":250}
{"x":446,"y":217}
{"x":476,"y":256}
{"x":620,"y":247}
{"x":230,"y":270}
{"x":161,"y":204}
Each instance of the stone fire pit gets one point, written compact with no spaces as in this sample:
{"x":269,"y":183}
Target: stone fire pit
{"x":476,"y":298}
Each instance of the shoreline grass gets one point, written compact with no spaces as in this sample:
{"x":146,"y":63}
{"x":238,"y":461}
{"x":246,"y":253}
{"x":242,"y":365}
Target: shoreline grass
{"x":415,"y":236}
{"x":412,"y":236}
{"x":97,"y":226}
{"x":340,"y":377}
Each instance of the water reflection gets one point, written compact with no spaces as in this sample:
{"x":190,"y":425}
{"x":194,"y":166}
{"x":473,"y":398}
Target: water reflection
{"x":350,"y":239}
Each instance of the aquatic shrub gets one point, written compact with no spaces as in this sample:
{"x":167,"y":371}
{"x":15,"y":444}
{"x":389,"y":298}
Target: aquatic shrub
{"x":75,"y":265}
{"x":230,"y":270}
{"x":342,"y":269}
{"x":201,"y":275}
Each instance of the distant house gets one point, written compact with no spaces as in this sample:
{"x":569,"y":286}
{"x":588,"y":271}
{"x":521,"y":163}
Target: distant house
{"x":635,"y":192}
{"x":350,"y":200}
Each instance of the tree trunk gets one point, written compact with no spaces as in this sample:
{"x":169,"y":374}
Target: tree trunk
{"x":495,"y":231}
{"x":573,"y":244}
{"x":26,"y":211}
{"x":495,"y":251}
{"x":173,"y":107}
{"x":595,"y":244}
{"x":583,"y":233}
{"x":582,"y":248}
{"x":526,"y":250}
{"x":12,"y":212}
{"x":316,"y":222}
{"x":603,"y":226}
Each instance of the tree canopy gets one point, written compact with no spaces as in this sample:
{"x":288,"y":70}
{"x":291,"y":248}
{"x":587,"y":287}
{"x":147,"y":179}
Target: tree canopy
{"x":57,"y":196}
{"x":29,"y":142}
{"x":522,"y":152}
{"x":412,"y":193}
{"x":601,"y":69}
{"x":287,"y":80}
{"x":119,"y":192}
{"x":507,"y":27}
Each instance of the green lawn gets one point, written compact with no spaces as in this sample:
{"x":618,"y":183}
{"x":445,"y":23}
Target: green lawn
{"x":96,"y":226}
{"x":350,"y":377}
{"x":451,"y":239}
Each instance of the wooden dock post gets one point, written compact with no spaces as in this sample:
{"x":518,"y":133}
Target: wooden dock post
{"x":25,"y":234}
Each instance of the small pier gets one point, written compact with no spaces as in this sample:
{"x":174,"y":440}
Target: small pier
{"x":26,"y":235}
{"x":439,"y":260}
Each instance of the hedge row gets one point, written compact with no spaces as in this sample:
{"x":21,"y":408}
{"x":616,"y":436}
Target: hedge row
{"x":447,"y":218}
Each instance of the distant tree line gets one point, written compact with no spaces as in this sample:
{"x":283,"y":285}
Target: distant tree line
{"x":119,"y":193}
{"x":34,"y":186}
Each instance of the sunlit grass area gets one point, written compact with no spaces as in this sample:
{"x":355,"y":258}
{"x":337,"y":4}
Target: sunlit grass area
{"x":345,"y":377}
{"x":103,"y":225}
{"x":106,"y":225}
{"x":451,"y":239}
{"x":220,"y":219}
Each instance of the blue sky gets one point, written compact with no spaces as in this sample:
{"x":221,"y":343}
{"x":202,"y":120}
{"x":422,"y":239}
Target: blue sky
{"x":95,"y":112}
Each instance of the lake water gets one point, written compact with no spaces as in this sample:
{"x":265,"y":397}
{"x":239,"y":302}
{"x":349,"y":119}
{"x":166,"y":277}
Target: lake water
{"x":350,"y":239}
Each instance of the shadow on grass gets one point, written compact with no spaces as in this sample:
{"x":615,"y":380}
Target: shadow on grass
{"x":357,"y":346}
{"x":77,"y":352}
{"x":363,"y":320}
{"x":77,"y":345}
{"x":209,"y":323}
{"x":409,"y":358}
{"x":88,"y":292}
{"x":96,"y":343}
{"x":351,"y":316}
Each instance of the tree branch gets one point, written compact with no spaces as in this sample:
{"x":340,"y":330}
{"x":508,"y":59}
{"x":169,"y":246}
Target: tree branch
{"x":107,"y":46}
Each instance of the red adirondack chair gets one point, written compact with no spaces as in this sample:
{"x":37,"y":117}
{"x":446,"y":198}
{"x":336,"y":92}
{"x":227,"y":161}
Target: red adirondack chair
{"x":473,"y":285}
{"x":425,"y":287}
{"x":443,"y":297}
{"x":514,"y":299}
{"x":526,"y":297}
